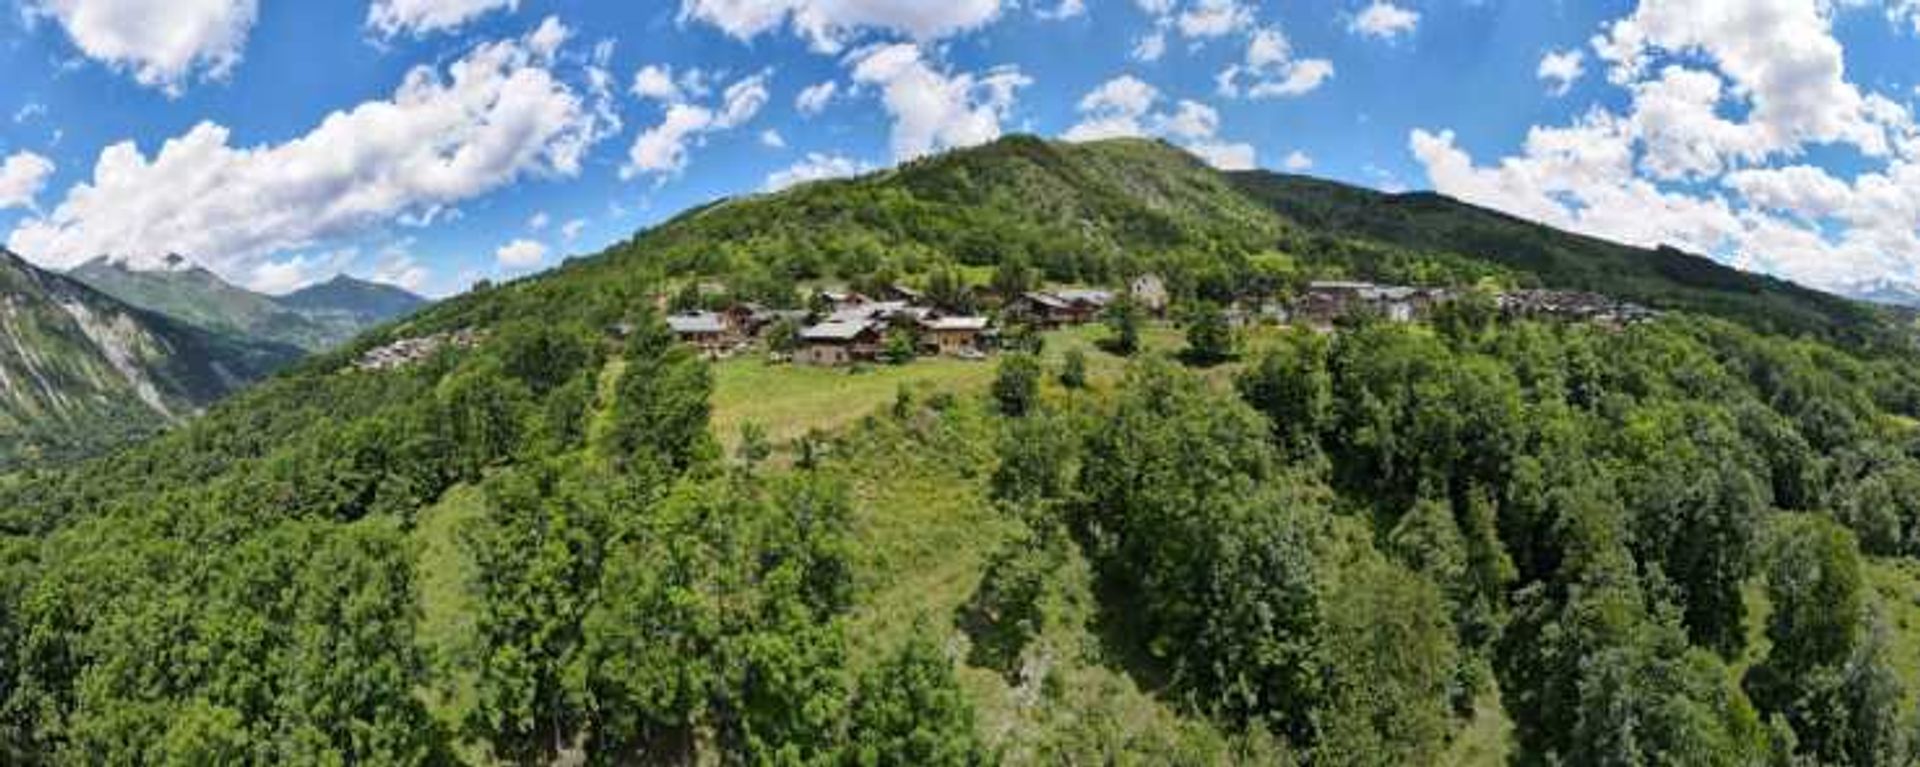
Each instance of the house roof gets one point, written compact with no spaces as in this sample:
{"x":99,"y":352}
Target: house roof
{"x":696,"y":322}
{"x":1339,"y":285}
{"x":954,"y":323}
{"x":1047,"y":299}
{"x":836,"y":330}
{"x":1085,"y":295}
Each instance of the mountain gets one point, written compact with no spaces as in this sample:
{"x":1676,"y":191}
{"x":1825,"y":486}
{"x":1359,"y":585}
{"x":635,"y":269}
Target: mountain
{"x":519,"y":540}
{"x":367,"y":303}
{"x":313,"y":319}
{"x":80,"y":370}
{"x":1665,"y":277}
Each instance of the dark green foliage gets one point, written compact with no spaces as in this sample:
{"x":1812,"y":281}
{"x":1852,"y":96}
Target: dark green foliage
{"x":1073,"y":369}
{"x":1123,"y":320}
{"x":1828,"y":672}
{"x":660,"y":411}
{"x":1017,"y":385}
{"x":1210,"y":340}
{"x":910,"y":711}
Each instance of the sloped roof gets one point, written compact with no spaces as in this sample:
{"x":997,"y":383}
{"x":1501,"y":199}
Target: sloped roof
{"x":836,"y":330}
{"x":696,"y":322}
{"x":955,"y":323}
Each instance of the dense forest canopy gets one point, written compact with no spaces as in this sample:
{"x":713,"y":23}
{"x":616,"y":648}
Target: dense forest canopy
{"x":1691,"y":541}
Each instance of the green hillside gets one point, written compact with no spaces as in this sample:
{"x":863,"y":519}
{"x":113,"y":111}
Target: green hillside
{"x":1469,"y":541}
{"x":82,"y":372}
{"x":313,"y":318}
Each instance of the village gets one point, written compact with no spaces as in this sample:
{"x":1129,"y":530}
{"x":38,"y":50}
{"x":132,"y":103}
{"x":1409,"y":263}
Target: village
{"x":849,"y":328}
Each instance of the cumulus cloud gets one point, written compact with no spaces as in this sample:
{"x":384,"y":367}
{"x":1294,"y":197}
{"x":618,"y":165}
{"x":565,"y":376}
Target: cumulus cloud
{"x":1213,"y":18}
{"x":934,"y":109}
{"x":1125,"y":107}
{"x":1269,"y":70}
{"x":391,"y":18}
{"x":164,"y":44}
{"x":1297,"y":162}
{"x":829,"y":25}
{"x":1781,"y":53}
{"x":494,"y":116}
{"x":1724,"y":98}
{"x":1064,"y":9}
{"x":815,"y":167}
{"x":21,"y":178}
{"x":664,"y":150}
{"x":814,"y":98}
{"x":1561,"y":69}
{"x":521,"y":254}
{"x":570,"y":231}
{"x":1385,"y":21}
{"x":772,"y":139}
{"x":539,"y":221}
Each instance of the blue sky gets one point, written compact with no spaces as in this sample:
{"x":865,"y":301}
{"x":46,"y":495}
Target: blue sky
{"x":436,"y":142}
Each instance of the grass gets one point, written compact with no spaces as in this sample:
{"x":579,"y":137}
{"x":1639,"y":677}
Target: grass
{"x":791,"y":400}
{"x":445,"y":575}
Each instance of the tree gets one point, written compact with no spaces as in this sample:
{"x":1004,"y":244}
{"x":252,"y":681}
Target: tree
{"x":660,"y":407}
{"x":910,"y":711}
{"x":1292,"y":387}
{"x":1013,"y":277}
{"x":1209,"y":337}
{"x":901,"y":347}
{"x":1123,"y":321}
{"x":1828,"y":673}
{"x":1017,"y":386}
{"x":1073,"y":369}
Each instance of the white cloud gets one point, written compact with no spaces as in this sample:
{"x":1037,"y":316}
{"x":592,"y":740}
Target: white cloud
{"x":1297,"y":162}
{"x":1150,"y":47}
{"x":494,"y":116}
{"x":397,"y":267}
{"x":829,"y":25}
{"x":1213,"y":18}
{"x":1124,"y":107}
{"x":742,"y":101}
{"x":656,"y":82}
{"x":521,"y":254}
{"x":1064,"y":9}
{"x":815,"y":167}
{"x":1780,"y":55}
{"x":164,"y":43}
{"x":22,"y":177}
{"x":1725,"y":99}
{"x":1269,"y":69}
{"x":934,"y":110}
{"x":391,"y":18}
{"x":814,"y":98}
{"x":539,"y":221}
{"x":772,"y":139}
{"x":664,"y":149}
{"x":570,"y":231}
{"x":1385,"y":21}
{"x":1561,"y":69}
{"x":1224,"y":155}
{"x":1113,"y":110}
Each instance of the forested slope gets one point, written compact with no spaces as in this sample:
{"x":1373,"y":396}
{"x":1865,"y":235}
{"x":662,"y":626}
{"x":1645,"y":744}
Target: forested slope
{"x":1680,"y":543}
{"x":80,"y":372}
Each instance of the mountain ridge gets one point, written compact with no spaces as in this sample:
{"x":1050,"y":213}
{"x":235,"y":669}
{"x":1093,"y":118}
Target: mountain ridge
{"x":313,"y":318}
{"x":84,"y":371}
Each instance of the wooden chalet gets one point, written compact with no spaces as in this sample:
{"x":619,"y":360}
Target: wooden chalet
{"x":840,"y":342}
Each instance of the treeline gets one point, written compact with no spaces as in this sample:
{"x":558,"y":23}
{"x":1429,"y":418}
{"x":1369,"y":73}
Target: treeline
{"x":1387,"y":524}
{"x":246,"y":590}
